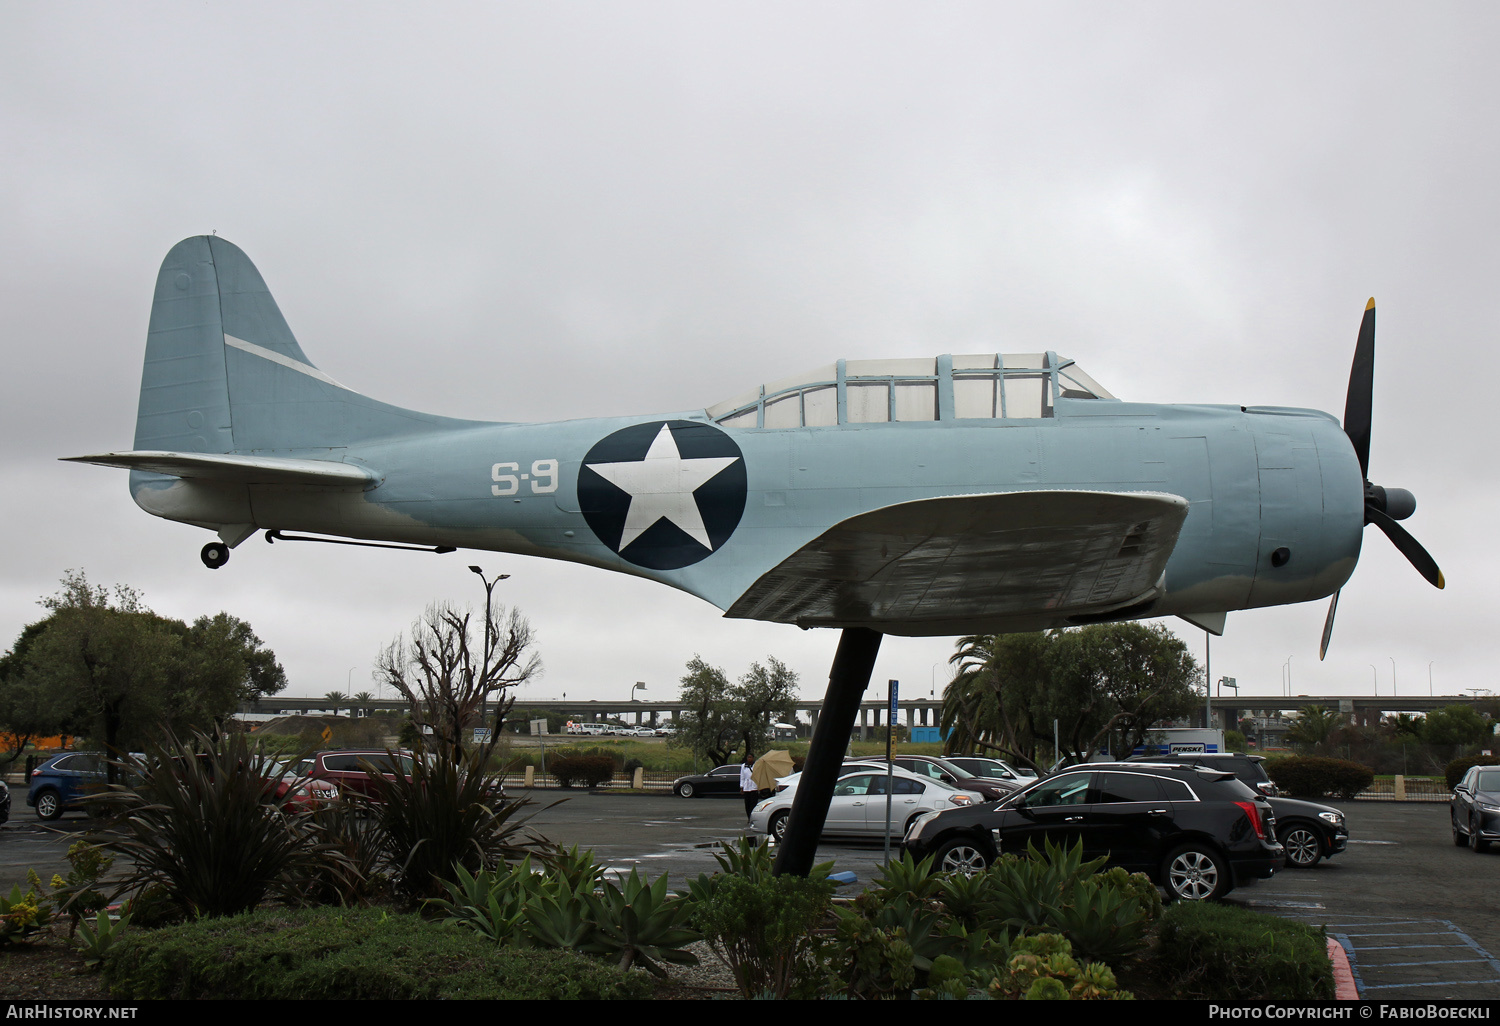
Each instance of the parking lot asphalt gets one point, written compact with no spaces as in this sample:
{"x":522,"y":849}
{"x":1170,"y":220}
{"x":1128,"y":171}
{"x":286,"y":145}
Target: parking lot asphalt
{"x":1415,"y":913}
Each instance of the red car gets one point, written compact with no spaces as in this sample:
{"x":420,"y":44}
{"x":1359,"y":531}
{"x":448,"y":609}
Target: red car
{"x":345,"y":768}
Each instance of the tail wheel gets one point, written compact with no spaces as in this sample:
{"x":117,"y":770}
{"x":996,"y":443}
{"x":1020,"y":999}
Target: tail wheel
{"x":1193,"y":873}
{"x":1303,"y":848}
{"x":215,"y":555}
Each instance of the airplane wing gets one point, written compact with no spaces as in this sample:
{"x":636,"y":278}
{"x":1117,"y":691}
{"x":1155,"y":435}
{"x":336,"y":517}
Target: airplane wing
{"x":961,"y":564}
{"x":230,"y":468}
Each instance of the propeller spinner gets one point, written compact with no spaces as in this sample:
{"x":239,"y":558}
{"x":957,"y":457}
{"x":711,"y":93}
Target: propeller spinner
{"x":1383,"y":506}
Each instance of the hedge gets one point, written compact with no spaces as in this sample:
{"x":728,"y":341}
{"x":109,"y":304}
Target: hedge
{"x":348,"y":954}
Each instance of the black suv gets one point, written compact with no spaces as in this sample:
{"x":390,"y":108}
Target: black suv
{"x":1196,"y":831}
{"x":1310,"y":832}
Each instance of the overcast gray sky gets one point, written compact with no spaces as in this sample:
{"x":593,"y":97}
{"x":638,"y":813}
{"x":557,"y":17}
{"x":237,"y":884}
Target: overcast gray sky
{"x":538,"y":211}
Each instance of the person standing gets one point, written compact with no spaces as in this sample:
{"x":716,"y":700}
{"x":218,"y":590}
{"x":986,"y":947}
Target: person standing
{"x":748,"y":790}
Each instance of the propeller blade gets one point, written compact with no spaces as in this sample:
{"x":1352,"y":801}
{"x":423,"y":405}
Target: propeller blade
{"x":1361,"y":390}
{"x":1409,"y":546}
{"x":1328,"y":626}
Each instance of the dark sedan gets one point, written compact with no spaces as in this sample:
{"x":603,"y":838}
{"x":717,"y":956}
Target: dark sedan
{"x":1475,"y":808}
{"x":1196,"y":831}
{"x":1310,"y":832}
{"x":719,"y":782}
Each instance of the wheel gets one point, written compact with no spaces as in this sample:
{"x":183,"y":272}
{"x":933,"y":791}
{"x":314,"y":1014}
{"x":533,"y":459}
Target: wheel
{"x":777,"y":826}
{"x":960,"y":855}
{"x":1304,"y":849}
{"x":1476,"y":843}
{"x":48,"y":805}
{"x":215,"y":555}
{"x":1193,"y":873}
{"x":686,"y":791}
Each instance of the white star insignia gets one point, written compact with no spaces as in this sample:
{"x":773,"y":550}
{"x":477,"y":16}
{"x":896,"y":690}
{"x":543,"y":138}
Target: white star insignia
{"x":661,"y":486}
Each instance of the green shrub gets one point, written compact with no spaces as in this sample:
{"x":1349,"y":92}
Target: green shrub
{"x":1311,"y":776}
{"x":203,"y":829}
{"x":1455,"y":770}
{"x":444,"y":815}
{"x":588,"y":770}
{"x":347,"y":954}
{"x":763,"y":930}
{"x":1227,"y":953}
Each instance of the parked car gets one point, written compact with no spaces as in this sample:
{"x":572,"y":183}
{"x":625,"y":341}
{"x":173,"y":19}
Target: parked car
{"x":1196,"y":831}
{"x":1248,"y":768}
{"x":65,"y":782}
{"x":1310,"y":832}
{"x":991,"y":788}
{"x":1001,"y":770}
{"x":1474,"y":810}
{"x":858,"y":806}
{"x":718,"y":782}
{"x":345,"y":767}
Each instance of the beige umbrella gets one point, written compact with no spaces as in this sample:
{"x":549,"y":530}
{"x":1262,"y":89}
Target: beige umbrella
{"x":769,"y":767}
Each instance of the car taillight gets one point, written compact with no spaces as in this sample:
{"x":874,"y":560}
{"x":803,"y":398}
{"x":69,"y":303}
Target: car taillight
{"x":1253,"y":811}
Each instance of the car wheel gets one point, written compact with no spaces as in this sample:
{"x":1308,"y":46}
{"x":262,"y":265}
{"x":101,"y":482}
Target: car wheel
{"x":1303,"y":847}
{"x":48,"y":805}
{"x":1477,"y":843}
{"x":686,"y":791}
{"x":1193,"y":873}
{"x":777,"y":826}
{"x":960,"y":855}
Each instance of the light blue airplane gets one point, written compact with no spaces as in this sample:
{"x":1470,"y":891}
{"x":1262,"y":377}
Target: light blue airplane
{"x":961,"y":494}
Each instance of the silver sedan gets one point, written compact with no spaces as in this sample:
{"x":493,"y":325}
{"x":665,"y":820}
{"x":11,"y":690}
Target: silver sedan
{"x":858,"y":807}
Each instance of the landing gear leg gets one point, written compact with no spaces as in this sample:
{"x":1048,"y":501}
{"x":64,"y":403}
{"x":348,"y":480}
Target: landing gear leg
{"x":852,"y":665}
{"x":215,"y":555}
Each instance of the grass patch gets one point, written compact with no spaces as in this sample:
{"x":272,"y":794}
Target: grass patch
{"x":348,"y":954}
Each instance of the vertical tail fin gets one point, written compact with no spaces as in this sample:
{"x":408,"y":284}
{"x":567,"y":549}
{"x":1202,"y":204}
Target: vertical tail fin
{"x":224,"y":373}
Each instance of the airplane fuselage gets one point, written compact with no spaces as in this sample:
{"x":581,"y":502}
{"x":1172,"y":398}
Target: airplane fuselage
{"x":1275,"y":495}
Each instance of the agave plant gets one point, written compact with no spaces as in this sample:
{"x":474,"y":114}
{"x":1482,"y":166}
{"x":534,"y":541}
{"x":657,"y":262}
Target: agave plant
{"x":640,"y":923}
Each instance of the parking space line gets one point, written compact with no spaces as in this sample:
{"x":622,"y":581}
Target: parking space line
{"x":1362,"y":965}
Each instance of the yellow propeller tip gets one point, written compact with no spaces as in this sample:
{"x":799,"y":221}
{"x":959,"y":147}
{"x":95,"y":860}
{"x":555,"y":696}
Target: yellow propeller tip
{"x":1442,"y":581}
{"x":1371,"y":304}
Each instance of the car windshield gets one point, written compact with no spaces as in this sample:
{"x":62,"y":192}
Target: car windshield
{"x":1487,"y":780}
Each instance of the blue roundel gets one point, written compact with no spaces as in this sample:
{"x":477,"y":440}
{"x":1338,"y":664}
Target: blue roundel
{"x":663,"y":494}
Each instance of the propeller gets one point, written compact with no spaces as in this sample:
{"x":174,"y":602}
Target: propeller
{"x":1383,"y":506}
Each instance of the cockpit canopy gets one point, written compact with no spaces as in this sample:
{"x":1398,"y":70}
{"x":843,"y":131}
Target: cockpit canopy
{"x":986,"y":386}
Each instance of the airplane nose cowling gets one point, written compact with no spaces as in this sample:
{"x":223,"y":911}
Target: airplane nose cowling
{"x":1311,"y":506}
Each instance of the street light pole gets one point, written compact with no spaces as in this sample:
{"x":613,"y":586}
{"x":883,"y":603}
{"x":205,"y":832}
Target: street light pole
{"x":1393,"y":675}
{"x":484,"y":666}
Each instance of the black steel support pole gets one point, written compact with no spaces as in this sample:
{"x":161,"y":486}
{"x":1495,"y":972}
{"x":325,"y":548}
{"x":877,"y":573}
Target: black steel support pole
{"x":852,"y":666}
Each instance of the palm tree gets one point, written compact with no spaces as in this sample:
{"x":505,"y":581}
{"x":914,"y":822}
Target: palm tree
{"x":335,"y":700}
{"x":1313,"y":725}
{"x":362,"y":703}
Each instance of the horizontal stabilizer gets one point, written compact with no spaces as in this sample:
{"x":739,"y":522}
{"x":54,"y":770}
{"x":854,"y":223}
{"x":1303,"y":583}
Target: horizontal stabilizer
{"x":961,"y":564}
{"x":269,"y":470}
